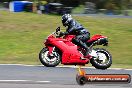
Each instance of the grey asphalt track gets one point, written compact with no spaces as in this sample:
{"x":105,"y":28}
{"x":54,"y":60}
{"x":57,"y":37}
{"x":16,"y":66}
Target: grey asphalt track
{"x":18,"y":76}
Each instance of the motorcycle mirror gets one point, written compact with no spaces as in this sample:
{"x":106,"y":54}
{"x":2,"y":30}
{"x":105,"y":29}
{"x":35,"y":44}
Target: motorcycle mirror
{"x":58,"y":29}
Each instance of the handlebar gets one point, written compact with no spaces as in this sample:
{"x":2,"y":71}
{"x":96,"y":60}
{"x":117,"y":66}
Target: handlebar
{"x":57,"y":29}
{"x":57,"y":32}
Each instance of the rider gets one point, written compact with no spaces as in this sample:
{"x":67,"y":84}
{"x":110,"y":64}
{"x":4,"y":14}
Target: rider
{"x":81,"y":34}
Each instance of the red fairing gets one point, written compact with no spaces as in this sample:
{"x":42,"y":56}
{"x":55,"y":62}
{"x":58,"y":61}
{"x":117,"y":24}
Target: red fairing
{"x":69,"y":37}
{"x":96,"y":37}
{"x":70,"y":54}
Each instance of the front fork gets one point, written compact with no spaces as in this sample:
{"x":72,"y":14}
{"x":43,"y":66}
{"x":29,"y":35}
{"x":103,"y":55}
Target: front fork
{"x":51,"y":49}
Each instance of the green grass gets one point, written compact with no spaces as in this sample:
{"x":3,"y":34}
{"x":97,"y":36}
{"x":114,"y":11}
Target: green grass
{"x":22,"y":36}
{"x":79,"y":9}
{"x":130,"y":12}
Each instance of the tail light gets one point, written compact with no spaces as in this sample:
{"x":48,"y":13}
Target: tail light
{"x":102,"y":41}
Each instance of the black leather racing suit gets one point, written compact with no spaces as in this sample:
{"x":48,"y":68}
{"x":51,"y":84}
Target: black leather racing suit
{"x":82,"y":35}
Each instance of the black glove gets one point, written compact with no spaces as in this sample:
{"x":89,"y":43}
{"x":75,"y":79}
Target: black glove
{"x":62,"y":33}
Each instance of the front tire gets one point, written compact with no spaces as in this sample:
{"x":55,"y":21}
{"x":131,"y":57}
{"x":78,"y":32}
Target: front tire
{"x":49,"y":61}
{"x":104,"y":59}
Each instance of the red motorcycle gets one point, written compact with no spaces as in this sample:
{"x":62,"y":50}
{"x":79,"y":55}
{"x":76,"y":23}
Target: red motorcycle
{"x":58,"y":49}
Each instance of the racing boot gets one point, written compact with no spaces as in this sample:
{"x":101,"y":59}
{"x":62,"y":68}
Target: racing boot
{"x":86,"y":54}
{"x":84,"y":46}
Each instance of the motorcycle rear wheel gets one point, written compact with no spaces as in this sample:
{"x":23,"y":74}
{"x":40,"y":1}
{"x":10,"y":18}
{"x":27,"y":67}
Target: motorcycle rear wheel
{"x":49,"y":61}
{"x":99,"y":62}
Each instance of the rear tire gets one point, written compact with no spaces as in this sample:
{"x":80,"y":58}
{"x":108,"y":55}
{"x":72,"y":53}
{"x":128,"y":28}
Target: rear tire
{"x":47,"y":61}
{"x":97,"y":63}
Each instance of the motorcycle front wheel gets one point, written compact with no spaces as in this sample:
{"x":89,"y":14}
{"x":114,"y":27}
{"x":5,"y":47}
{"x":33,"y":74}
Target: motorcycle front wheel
{"x":49,"y":60}
{"x":103,"y":59}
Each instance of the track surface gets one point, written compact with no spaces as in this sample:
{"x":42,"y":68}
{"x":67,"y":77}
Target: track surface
{"x":18,"y":76}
